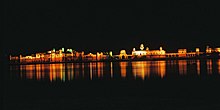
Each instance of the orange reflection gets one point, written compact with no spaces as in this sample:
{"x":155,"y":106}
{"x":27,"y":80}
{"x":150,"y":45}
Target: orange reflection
{"x":123,"y":66}
{"x":62,"y":72}
{"x":158,"y":68}
{"x":90,"y":70}
{"x":161,"y":68}
{"x":182,"y":67}
{"x":218,"y":64}
{"x":29,"y":71}
{"x":22,"y":68}
{"x":111,"y":71}
{"x":57,"y":72}
{"x":70,"y":69}
{"x":96,"y":69}
{"x":77,"y":70}
{"x":198,"y":66}
{"x":83,"y":69}
{"x":100,"y":69}
{"x":38,"y":71}
{"x":139,"y":69}
{"x":52,"y":70}
{"x":209,"y":66}
{"x":43,"y":68}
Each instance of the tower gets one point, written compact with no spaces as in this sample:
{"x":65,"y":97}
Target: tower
{"x":142,"y":46}
{"x":133,"y":49}
{"x":147,"y":48}
{"x":161,"y":48}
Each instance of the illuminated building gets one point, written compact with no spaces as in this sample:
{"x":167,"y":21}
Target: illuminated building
{"x":123,"y":55}
{"x":70,"y":55}
{"x":182,"y":52}
{"x":217,"y":50}
{"x":97,"y":57}
{"x":90,"y":57}
{"x":148,"y":53}
{"x":208,"y":49}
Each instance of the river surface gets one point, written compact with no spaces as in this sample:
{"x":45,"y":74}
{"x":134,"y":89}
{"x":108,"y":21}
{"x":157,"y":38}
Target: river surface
{"x":171,"y":84}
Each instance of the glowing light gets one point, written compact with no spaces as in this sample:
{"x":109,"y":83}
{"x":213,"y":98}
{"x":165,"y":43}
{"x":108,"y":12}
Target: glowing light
{"x":28,"y":57}
{"x":197,"y":49}
{"x":161,"y":48}
{"x":69,"y":50}
{"x":147,"y":49}
{"x":182,"y":51}
{"x":53,"y":50}
{"x":217,"y":49}
{"x":134,"y":49}
{"x":142,"y":46}
{"x":143,"y":52}
{"x":139,"y":53}
{"x":208,"y":49}
{"x":110,"y":53}
{"x":123,"y":54}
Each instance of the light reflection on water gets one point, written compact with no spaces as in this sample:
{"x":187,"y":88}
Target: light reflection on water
{"x":110,"y":70}
{"x":218,"y":65}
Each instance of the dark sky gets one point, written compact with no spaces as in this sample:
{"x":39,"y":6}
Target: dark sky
{"x":92,"y":26}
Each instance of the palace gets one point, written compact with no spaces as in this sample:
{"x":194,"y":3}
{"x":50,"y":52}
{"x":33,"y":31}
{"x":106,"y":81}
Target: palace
{"x":148,"y":53}
{"x":70,"y":55}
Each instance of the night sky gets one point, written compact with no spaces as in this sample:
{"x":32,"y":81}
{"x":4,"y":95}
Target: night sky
{"x":90,"y":26}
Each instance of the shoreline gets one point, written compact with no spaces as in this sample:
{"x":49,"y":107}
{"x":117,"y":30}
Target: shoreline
{"x":119,"y":60}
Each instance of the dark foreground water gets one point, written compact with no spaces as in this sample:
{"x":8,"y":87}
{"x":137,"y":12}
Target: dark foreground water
{"x":174,"y":84}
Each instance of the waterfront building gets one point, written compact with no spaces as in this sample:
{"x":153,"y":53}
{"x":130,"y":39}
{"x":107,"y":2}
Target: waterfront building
{"x":217,"y":50}
{"x":209,"y":50}
{"x":182,"y":52}
{"x":148,"y":53}
{"x":123,"y":54}
{"x":90,"y":56}
{"x":69,"y":55}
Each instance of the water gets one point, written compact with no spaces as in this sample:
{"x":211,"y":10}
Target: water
{"x":172,"y":84}
{"x":144,"y":70}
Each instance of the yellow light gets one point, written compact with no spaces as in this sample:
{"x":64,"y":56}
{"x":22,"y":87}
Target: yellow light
{"x":197,"y":49}
{"x":217,"y":49}
{"x":110,"y":53}
{"x":142,"y":46}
